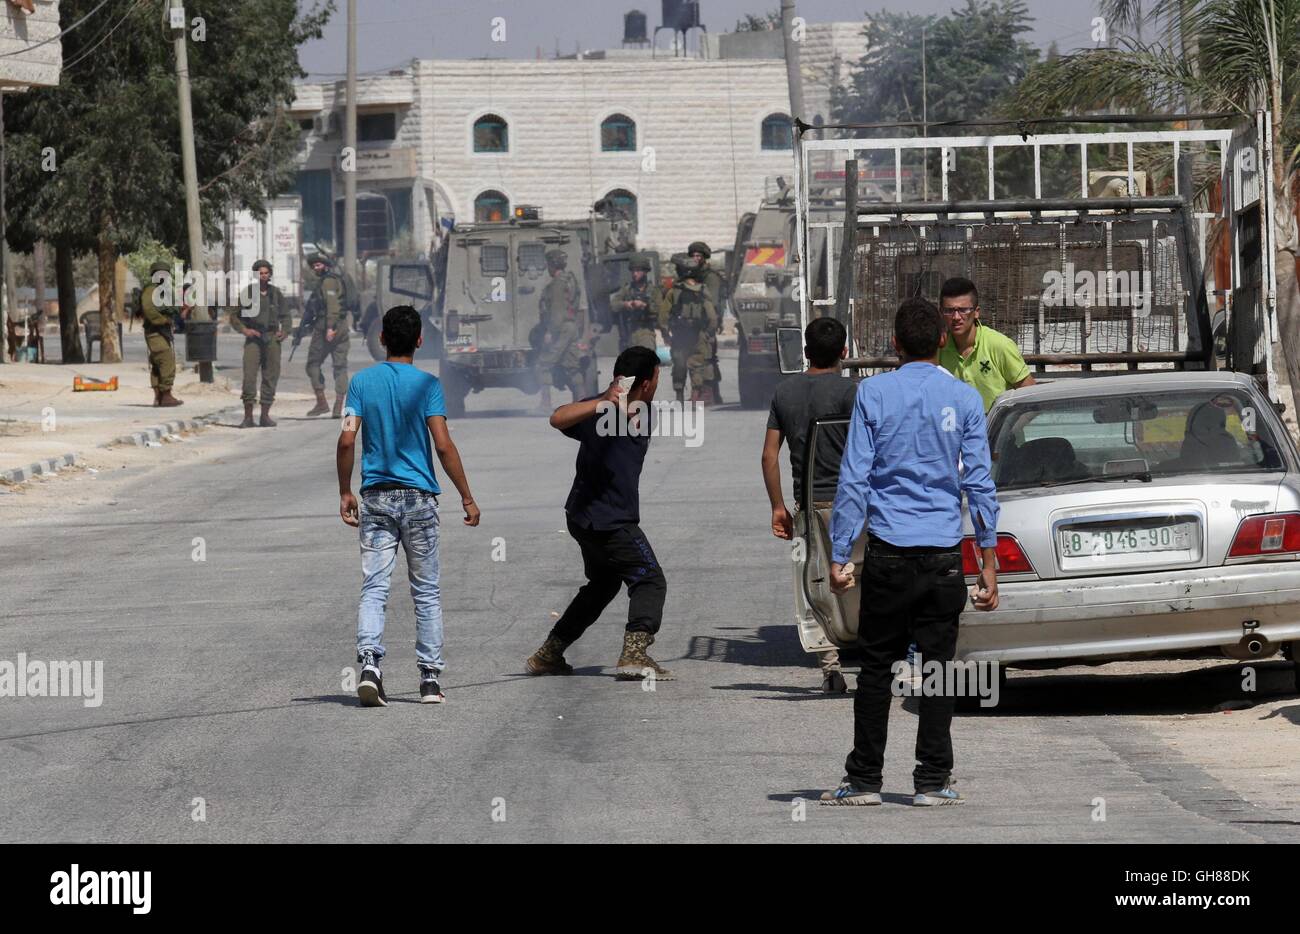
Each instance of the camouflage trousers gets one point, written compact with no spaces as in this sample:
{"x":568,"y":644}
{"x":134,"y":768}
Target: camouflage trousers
{"x":261,"y":356}
{"x":319,"y":349}
{"x":642,"y":337}
{"x":691,"y":355}
{"x":162,"y":362}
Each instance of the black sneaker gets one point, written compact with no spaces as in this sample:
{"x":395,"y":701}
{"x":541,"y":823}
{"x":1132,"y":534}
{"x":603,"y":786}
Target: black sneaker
{"x":431,"y":691}
{"x":833,"y":683}
{"x":370,"y":689}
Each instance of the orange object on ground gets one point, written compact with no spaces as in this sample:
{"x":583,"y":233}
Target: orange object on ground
{"x":90,"y":384}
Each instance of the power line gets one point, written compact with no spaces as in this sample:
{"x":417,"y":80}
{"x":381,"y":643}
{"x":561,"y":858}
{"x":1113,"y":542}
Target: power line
{"x":60,"y":35}
{"x":125,"y":16}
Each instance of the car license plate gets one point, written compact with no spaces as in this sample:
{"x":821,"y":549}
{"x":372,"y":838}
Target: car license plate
{"x":1081,"y":543}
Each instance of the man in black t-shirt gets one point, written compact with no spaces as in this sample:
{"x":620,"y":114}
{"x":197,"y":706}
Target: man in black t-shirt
{"x":603,"y":512}
{"x":818,"y":392}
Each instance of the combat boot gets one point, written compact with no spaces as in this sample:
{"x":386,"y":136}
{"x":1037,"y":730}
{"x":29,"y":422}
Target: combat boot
{"x":549,"y":659}
{"x":705,"y":396}
{"x":248,"y":416}
{"x":167,"y":400}
{"x":681,"y":392}
{"x":266,"y":420}
{"x":634,"y":661}
{"x":157,"y":395}
{"x":322,"y":404}
{"x":338,"y":407}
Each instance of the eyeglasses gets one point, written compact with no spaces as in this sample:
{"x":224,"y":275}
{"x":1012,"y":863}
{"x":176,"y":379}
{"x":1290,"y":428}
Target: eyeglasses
{"x":954,"y":312}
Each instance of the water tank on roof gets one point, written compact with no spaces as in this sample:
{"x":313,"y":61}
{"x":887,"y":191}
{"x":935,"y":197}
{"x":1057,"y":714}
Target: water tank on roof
{"x":681,"y":15}
{"x":634,"y":28}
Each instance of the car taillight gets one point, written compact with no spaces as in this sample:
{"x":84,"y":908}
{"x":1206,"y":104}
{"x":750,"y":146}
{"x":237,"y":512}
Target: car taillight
{"x":1011,"y":558}
{"x":1274,"y":534}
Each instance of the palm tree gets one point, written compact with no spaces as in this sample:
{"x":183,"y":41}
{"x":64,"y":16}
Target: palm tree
{"x":1230,"y":56}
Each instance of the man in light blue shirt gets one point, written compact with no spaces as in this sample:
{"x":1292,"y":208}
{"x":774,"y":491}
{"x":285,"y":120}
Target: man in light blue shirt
{"x":917,"y":441}
{"x":396,"y":407}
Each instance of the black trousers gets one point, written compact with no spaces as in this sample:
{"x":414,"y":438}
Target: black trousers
{"x":908,"y":595}
{"x":610,"y":560}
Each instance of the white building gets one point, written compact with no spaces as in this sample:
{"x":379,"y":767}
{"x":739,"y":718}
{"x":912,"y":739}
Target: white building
{"x":684,"y":144}
{"x":29,"y":53}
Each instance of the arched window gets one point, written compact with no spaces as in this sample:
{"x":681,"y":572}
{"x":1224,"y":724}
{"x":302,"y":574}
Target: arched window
{"x":491,"y":206}
{"x":776,"y":132}
{"x":623,"y":202}
{"x":491,"y":134}
{"x":618,"y":134}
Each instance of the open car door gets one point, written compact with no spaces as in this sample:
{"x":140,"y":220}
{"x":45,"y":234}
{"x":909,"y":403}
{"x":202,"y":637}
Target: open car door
{"x":825,"y":619}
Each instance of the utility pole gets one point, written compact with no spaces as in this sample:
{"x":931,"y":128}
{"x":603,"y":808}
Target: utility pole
{"x":350,"y":146}
{"x":4,"y":231}
{"x":189,"y":167}
{"x":925,"y":125}
{"x":793,"y":77}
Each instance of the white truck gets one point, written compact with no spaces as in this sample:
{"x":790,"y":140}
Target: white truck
{"x":1157,"y":240}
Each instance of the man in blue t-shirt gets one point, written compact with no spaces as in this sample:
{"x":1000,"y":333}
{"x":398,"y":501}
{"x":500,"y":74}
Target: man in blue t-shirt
{"x":400,"y":406}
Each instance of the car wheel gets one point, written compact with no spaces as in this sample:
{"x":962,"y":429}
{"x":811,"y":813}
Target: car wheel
{"x":372,"y":340}
{"x":454,"y":390}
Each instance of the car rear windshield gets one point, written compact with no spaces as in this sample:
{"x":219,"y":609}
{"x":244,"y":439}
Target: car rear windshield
{"x":1158,"y":433}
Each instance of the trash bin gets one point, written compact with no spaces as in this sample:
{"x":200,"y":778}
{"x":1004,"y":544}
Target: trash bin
{"x":200,"y":341}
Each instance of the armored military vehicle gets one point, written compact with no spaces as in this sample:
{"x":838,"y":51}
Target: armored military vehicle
{"x":761,"y":275}
{"x":479,"y":295}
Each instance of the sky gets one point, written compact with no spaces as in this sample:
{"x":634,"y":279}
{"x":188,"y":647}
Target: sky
{"x":392,"y":32}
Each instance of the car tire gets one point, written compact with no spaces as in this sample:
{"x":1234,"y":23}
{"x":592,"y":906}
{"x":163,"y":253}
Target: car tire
{"x":454,"y":390}
{"x":372,"y":340}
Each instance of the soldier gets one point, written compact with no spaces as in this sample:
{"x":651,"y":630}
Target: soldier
{"x":688,"y":314}
{"x":264,"y":319}
{"x":637,"y":305}
{"x":330,"y":335}
{"x":158,"y":337}
{"x":700,"y":253}
{"x":562,"y":353}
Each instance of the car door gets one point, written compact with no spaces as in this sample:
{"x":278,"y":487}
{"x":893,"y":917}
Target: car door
{"x":836,"y":615}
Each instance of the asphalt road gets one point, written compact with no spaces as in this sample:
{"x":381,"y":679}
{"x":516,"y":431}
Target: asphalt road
{"x":223,"y":677}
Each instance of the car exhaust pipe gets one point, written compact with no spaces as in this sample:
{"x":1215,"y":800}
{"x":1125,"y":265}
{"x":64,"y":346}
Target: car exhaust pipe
{"x":1249,"y":647}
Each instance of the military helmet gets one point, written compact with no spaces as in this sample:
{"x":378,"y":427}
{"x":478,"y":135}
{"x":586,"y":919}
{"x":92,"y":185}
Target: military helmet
{"x":315,"y":258}
{"x":159,"y":266}
{"x":686,"y":268}
{"x":262,"y":264}
{"x":639,"y":262}
{"x":699,"y":246}
{"x":556,"y":258}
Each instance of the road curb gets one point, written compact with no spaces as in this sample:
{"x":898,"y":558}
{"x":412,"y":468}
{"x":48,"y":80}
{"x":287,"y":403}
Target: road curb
{"x":139,"y":438}
{"x":156,"y":432}
{"x":46,"y":466}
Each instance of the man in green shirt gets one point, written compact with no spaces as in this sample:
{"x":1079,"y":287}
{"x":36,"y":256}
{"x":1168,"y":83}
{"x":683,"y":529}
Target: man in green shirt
{"x":975,"y":353}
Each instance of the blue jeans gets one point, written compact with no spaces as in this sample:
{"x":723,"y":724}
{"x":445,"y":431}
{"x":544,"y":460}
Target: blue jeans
{"x":411,"y":518}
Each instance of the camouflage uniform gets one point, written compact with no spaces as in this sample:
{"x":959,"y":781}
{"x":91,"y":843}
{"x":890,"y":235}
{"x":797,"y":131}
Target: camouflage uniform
{"x":688,"y":314}
{"x":563,"y":356}
{"x":638,"y":324}
{"x":327,"y":299}
{"x":713,"y":286}
{"x":158,"y":338}
{"x":268,"y":313}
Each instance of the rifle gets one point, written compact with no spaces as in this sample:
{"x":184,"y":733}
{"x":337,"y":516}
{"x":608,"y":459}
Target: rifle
{"x":308,"y":318}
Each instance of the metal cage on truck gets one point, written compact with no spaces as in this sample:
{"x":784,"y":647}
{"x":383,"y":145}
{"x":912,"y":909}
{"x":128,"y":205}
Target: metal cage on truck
{"x":1090,"y":249}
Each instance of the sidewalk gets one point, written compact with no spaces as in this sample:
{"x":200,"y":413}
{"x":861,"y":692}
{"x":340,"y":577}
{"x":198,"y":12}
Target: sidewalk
{"x":43,"y":420}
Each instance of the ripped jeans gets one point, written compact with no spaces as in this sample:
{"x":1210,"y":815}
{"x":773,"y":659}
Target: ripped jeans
{"x":411,"y":518}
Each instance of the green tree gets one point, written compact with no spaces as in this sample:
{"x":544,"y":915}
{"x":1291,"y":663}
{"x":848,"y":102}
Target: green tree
{"x":973,"y":57}
{"x":1231,"y":56}
{"x":94,"y":164}
{"x":759,"y":22}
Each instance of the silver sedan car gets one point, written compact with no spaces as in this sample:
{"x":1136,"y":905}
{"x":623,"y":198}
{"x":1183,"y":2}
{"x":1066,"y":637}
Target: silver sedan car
{"x":1146,"y":515}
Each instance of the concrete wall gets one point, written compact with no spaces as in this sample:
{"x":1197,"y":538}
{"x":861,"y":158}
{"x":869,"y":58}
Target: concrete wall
{"x":22,"y":32}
